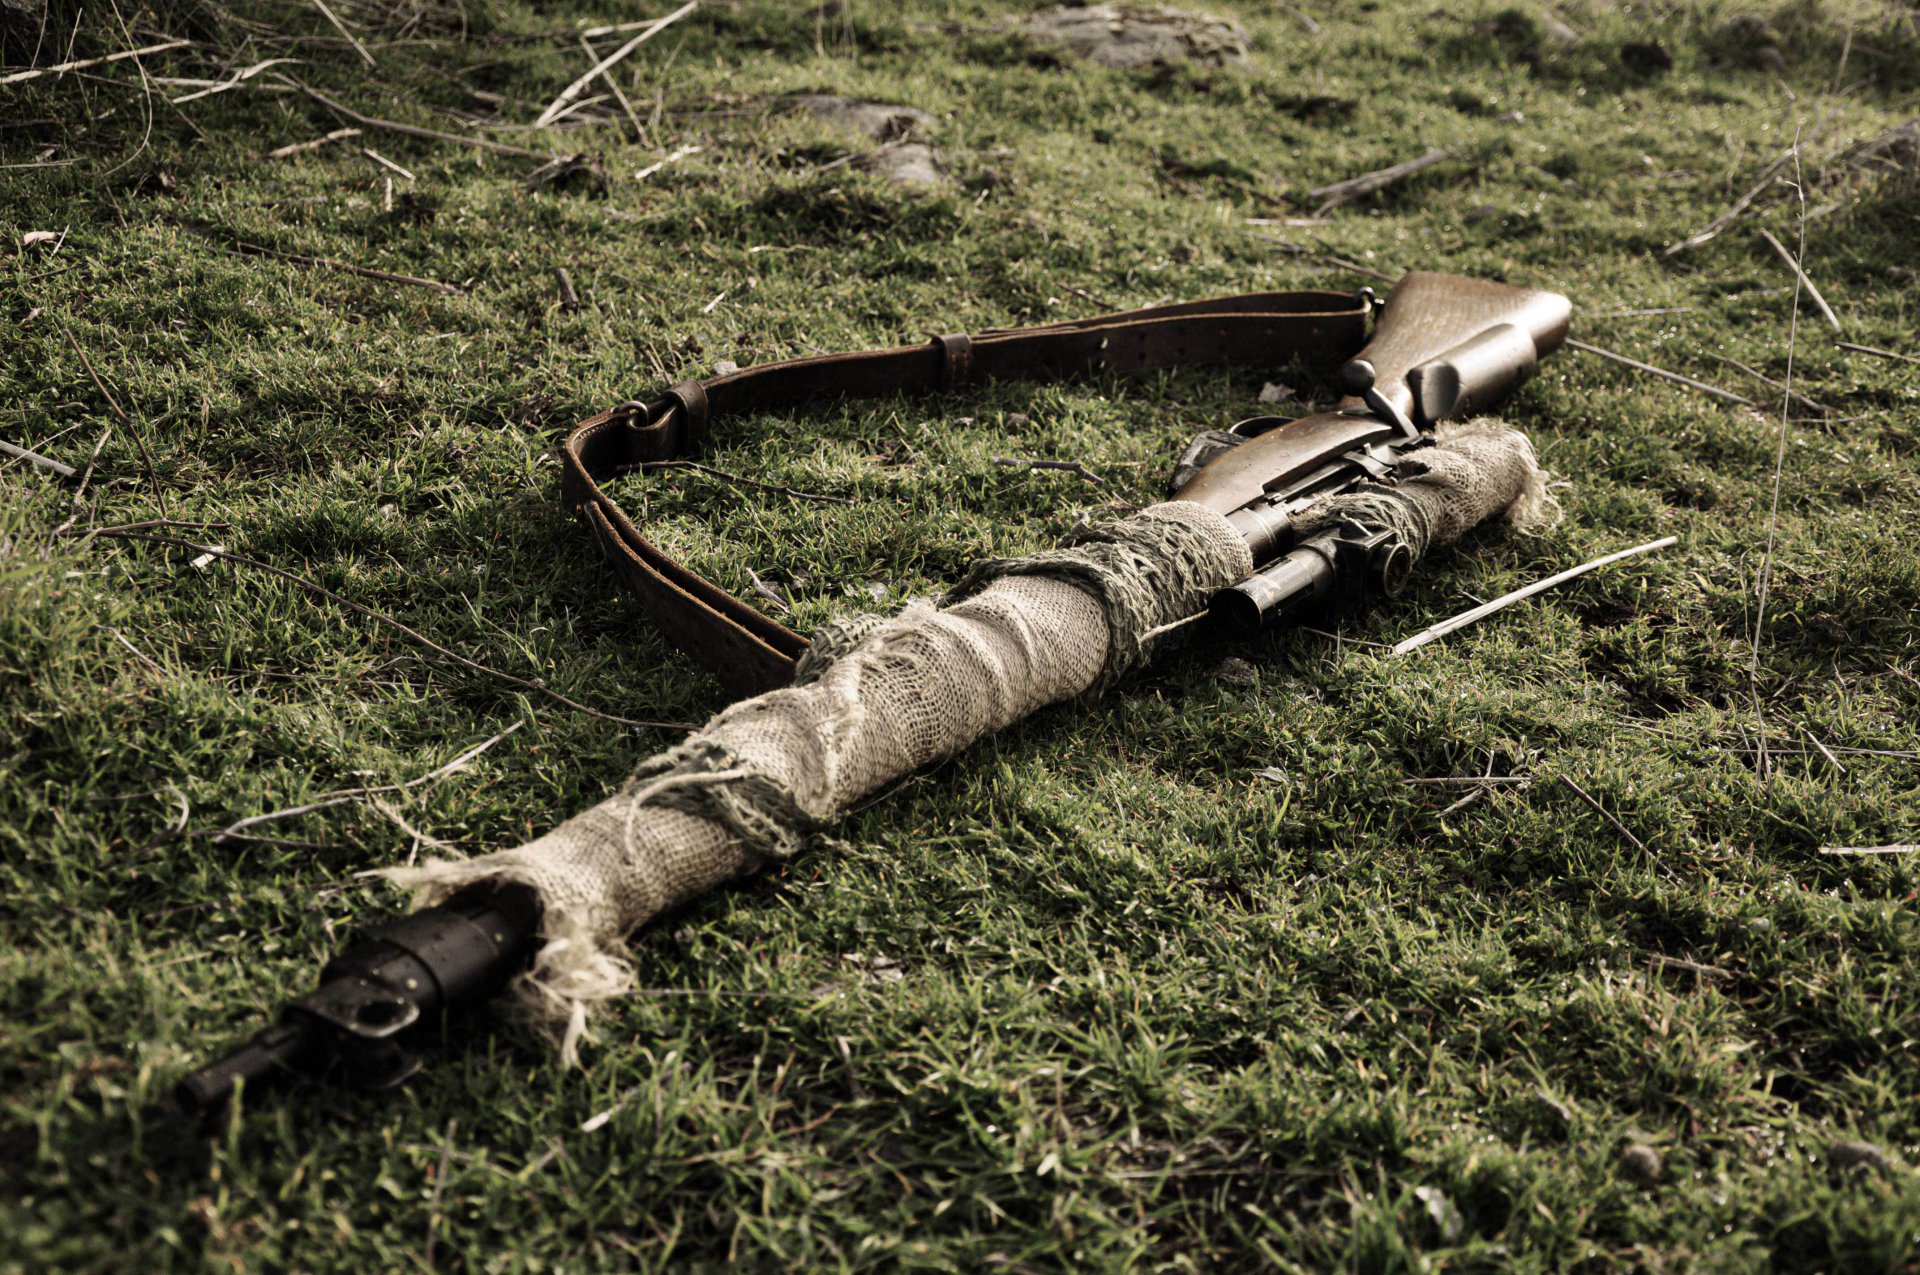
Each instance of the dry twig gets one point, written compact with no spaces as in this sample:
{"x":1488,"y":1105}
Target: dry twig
{"x":233,"y":81}
{"x":1505,"y":600}
{"x":296,"y":148}
{"x":1345,"y":192}
{"x":146,"y":459}
{"x":1779,"y":469}
{"x":1065,"y":466}
{"x":352,"y":39}
{"x":1793,"y":264}
{"x":1877,"y":352}
{"x":1682,"y":963}
{"x":1365,"y":272}
{"x":341,"y":796}
{"x":559,"y":104}
{"x":1795,"y":395}
{"x":386,"y":163}
{"x":53,"y":467}
{"x":1734,"y":213}
{"x":657,"y":165}
{"x":366,"y":272}
{"x":1651,"y":370}
{"x":414,"y":130}
{"x":1604,"y":813}
{"x":1868,"y":850}
{"x":34,"y":73}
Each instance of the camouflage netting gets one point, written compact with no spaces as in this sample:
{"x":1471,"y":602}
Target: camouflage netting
{"x":878,"y":698}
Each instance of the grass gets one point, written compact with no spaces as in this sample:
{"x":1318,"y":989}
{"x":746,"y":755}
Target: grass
{"x":1187,"y":977}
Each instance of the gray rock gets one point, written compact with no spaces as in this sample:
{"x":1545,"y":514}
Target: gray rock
{"x":1126,"y":36}
{"x":907,"y":164}
{"x":1234,"y":671}
{"x":1641,"y":1163}
{"x":881,"y":121}
{"x":1858,"y":1155}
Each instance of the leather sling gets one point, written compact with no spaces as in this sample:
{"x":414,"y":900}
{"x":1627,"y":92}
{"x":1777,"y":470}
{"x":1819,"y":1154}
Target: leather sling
{"x":751,"y":652}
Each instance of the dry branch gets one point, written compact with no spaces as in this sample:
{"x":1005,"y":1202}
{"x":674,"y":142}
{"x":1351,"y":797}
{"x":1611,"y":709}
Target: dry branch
{"x":1604,"y":813}
{"x":1651,"y":370}
{"x":53,"y":467}
{"x":1793,"y":264}
{"x":1065,"y":466}
{"x":139,"y":439}
{"x":414,"y":130}
{"x":367,"y":272}
{"x":352,"y":39}
{"x":1346,"y":192}
{"x":34,"y":73}
{"x":1734,"y":213}
{"x":1505,"y":600}
{"x":657,"y":165}
{"x":342,"y":796}
{"x":232,"y":82}
{"x":1877,"y":352}
{"x":1795,"y":395}
{"x":386,"y":163}
{"x":296,"y":148}
{"x":573,"y":90}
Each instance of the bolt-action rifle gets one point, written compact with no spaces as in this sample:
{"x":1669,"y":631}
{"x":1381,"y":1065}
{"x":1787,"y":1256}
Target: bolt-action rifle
{"x":1442,"y":348}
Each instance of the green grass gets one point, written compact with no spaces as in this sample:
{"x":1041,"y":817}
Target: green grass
{"x":1186,"y":977}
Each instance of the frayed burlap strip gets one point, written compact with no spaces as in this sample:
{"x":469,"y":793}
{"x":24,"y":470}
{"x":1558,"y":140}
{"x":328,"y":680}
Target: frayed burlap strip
{"x":876,"y":699}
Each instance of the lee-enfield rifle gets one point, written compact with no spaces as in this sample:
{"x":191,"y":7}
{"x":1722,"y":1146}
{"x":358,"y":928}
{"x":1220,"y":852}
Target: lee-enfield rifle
{"x":1443,"y":347}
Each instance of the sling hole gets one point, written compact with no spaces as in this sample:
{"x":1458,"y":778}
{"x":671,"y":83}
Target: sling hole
{"x":379,"y":1013}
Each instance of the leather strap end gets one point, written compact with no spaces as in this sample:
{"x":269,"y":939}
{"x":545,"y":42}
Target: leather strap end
{"x":956,"y":359}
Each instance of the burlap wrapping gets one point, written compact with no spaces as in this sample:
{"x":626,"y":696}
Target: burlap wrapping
{"x":1475,"y":470}
{"x":876,"y":699}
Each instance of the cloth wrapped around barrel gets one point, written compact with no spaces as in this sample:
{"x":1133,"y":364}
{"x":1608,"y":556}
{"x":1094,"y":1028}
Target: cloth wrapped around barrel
{"x":876,"y":698}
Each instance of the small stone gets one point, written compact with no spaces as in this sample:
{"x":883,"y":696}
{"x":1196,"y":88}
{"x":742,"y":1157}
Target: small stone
{"x":907,"y":164}
{"x":1641,"y":1163}
{"x":1760,"y":925}
{"x":1557,"y":32}
{"x":1858,"y":1155}
{"x":1234,"y":671}
{"x":1129,"y":36}
{"x":881,"y":121}
{"x":683,"y":938}
{"x":1274,"y":392}
{"x":725,"y":367}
